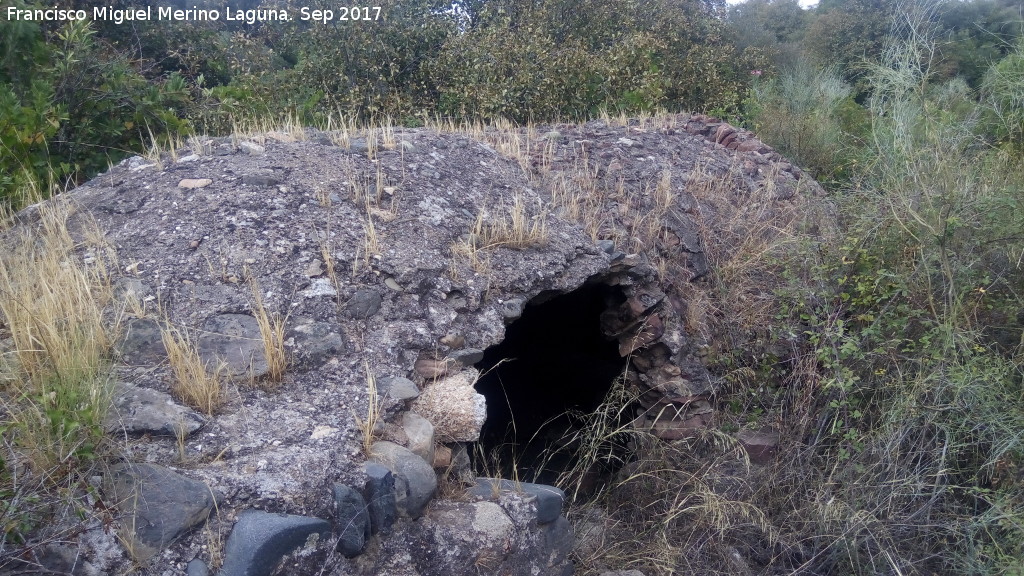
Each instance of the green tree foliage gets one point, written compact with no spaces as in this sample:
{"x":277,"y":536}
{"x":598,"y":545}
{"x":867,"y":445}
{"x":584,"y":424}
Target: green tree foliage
{"x":847,"y":32}
{"x":1004,"y":90}
{"x":974,"y":35}
{"x":557,"y":58}
{"x":808,"y":114}
{"x":69,"y":105}
{"x":775,"y":26}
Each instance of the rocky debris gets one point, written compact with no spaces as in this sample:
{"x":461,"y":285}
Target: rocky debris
{"x":486,"y":537}
{"x":419,"y":433}
{"x":414,"y":474}
{"x":142,"y":343}
{"x":442,"y":457}
{"x":236,"y":341}
{"x":144,"y":410}
{"x":46,"y":559}
{"x":468,"y":356}
{"x":379,"y":493}
{"x":592,"y":532}
{"x":251,"y":147}
{"x":761,"y":445}
{"x":398,"y":388}
{"x":265,"y":179}
{"x":454,"y":407}
{"x":512,"y":309}
{"x":159,"y":505}
{"x":433,"y":368}
{"x":548,"y":499}
{"x":675,"y":421}
{"x":260,"y":540}
{"x":352,"y":518}
{"x":363,"y":304}
{"x":320,"y":287}
{"x":623,"y":573}
{"x":467,"y":535}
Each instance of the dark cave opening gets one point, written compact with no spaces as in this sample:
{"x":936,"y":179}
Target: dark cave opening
{"x":553,"y":366}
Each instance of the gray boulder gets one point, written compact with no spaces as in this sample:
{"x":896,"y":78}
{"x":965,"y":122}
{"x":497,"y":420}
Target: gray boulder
{"x":417,"y":474}
{"x":158,"y":505}
{"x":260,"y":540}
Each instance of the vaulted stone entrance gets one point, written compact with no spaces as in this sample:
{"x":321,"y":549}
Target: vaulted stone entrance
{"x":553,"y":363}
{"x":562,"y":356}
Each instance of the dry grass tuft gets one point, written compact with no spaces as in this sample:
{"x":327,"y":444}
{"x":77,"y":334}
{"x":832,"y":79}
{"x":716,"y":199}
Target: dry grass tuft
{"x":55,"y":379}
{"x":272,"y":334}
{"x":196,"y":384}
{"x":750,"y":238}
{"x":54,"y":382}
{"x":513,"y":228}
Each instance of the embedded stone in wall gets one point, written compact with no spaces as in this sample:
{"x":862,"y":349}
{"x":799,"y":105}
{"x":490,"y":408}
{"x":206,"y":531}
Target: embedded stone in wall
{"x":454,"y":407}
{"x":417,"y":475}
{"x":144,"y":410}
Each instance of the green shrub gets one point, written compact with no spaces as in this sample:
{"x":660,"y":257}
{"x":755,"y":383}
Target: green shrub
{"x":807,"y":115}
{"x":1004,"y":87}
{"x":74,"y":107}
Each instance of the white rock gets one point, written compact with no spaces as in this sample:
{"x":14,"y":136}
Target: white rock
{"x":454,"y":407}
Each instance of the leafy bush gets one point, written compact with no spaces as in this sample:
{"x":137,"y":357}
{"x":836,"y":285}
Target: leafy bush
{"x":74,"y":106}
{"x":920,"y":408}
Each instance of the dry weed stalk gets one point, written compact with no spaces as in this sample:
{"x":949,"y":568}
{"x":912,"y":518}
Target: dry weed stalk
{"x":370,"y":248}
{"x":368,"y":426}
{"x":341,"y":130}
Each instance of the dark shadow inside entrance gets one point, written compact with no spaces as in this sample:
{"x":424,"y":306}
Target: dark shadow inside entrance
{"x":553,"y":365}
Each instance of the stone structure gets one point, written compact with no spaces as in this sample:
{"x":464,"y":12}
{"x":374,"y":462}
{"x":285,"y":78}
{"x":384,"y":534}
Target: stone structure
{"x":373,"y":256}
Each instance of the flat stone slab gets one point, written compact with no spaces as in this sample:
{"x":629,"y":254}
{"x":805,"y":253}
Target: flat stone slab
{"x":138,"y":410}
{"x":142,"y":343}
{"x":260,"y":540}
{"x":234,"y":339}
{"x":158,"y":504}
{"x":549,"y":498}
{"x":398,"y":388}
